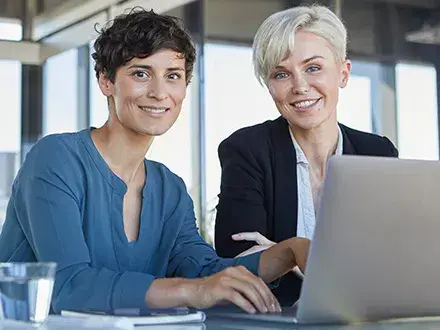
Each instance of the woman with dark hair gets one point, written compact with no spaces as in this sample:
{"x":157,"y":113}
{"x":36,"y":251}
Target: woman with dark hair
{"x":122,"y":228}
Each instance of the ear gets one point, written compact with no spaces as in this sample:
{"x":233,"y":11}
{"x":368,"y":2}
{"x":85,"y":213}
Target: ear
{"x":345,"y":73}
{"x":106,"y":85}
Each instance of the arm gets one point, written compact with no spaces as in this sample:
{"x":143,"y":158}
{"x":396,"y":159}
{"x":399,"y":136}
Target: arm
{"x":231,"y":282}
{"x":49,"y":214}
{"x":202,"y":279}
{"x":241,"y":200}
{"x":192,"y":257}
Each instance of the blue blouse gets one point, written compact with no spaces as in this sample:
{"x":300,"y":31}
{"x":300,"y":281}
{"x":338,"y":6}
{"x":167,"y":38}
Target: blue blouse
{"x":66,"y":207}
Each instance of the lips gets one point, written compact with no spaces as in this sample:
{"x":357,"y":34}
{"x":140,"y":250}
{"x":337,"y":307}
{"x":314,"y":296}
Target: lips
{"x":154,"y":110}
{"x":305,"y":105}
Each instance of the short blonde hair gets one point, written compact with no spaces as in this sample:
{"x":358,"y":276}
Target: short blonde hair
{"x":274,"y":38}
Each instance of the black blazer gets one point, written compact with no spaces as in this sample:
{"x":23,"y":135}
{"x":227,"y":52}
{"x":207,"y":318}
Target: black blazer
{"x":258,"y":191}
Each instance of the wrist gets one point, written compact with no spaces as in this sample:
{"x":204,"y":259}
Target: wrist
{"x":187,"y":292}
{"x":170,"y":292}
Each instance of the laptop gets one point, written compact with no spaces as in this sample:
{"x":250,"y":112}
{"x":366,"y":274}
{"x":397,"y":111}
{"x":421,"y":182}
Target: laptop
{"x":375,"y":254}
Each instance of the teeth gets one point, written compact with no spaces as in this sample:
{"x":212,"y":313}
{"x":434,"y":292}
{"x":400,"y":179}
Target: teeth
{"x":154,"y":110}
{"x":304,"y":104}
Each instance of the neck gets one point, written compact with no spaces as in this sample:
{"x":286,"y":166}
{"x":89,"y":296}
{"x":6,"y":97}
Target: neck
{"x":123,"y":149}
{"x":318,"y":144}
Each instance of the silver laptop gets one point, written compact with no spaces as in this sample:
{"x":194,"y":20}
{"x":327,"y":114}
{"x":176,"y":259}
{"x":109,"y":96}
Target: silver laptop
{"x":376,"y":249}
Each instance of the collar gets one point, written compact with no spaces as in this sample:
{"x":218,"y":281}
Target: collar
{"x":301,"y":157}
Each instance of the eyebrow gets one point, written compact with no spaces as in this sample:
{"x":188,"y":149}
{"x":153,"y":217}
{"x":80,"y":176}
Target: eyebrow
{"x":307,"y":60}
{"x":149,"y":67}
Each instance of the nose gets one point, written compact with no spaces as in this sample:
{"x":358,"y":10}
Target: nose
{"x":157,"y":90}
{"x":299,"y":84}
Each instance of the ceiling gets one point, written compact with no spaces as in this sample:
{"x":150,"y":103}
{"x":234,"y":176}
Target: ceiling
{"x":412,"y":3}
{"x":15,"y":8}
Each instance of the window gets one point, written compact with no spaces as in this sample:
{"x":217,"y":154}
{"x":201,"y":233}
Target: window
{"x":417,"y":116}
{"x":60,"y":108}
{"x":354,"y":106}
{"x":10,"y":125}
{"x":98,"y":102}
{"x":234,"y":99}
{"x":10,"y":30}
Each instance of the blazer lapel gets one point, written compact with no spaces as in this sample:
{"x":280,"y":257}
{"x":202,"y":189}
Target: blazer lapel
{"x":347,"y":146}
{"x":285,"y":182}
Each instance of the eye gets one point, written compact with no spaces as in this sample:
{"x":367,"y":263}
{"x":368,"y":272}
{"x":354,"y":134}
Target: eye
{"x":174,"y":76}
{"x":313,"y":68}
{"x":140,"y":74}
{"x":280,"y":75}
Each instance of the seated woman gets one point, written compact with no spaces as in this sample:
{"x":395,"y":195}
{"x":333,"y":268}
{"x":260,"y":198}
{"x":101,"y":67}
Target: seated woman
{"x":117,"y":225}
{"x":272,"y":173}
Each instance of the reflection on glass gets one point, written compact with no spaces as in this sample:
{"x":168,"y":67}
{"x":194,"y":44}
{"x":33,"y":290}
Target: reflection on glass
{"x":417,"y":119}
{"x":234,"y":99}
{"x":60,"y":108}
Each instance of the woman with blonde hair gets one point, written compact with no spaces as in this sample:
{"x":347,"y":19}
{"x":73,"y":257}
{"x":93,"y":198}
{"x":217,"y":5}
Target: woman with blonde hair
{"x":272,"y":173}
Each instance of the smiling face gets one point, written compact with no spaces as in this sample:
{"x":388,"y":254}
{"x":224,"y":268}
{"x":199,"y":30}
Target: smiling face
{"x":147,"y":94}
{"x":305,"y":84}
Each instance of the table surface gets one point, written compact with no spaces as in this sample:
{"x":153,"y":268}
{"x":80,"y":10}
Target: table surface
{"x":62,"y":323}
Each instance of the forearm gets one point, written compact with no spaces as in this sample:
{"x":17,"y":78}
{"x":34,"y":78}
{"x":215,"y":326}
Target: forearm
{"x":81,"y":286}
{"x":276,"y":261}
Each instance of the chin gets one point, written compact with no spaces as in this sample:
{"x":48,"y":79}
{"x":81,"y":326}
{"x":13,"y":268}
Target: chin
{"x":153,"y":131}
{"x":309,"y":123}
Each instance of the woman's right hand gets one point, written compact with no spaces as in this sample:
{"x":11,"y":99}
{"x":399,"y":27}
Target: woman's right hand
{"x":235,"y":285}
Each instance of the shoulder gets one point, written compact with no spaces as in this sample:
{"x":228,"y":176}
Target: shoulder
{"x":369,"y":144}
{"x":55,"y":155}
{"x":55,"y":150}
{"x":169,"y":190}
{"x":254,"y":138}
{"x":253,"y":133}
{"x":161,"y":175}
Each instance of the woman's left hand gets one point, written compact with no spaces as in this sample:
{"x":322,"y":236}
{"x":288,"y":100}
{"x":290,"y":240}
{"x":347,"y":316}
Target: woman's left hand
{"x":262,"y":242}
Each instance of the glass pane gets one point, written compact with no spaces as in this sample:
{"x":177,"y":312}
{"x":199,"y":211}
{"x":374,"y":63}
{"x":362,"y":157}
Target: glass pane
{"x":98,"y":102}
{"x":10,"y":31}
{"x":234,"y":99}
{"x":354,"y":107}
{"x":60,"y":109}
{"x":10,"y":125}
{"x":10,"y":128}
{"x":417,"y":119}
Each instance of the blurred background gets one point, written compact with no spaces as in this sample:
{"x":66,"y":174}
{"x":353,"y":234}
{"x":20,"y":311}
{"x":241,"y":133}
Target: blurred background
{"x":47,"y":82}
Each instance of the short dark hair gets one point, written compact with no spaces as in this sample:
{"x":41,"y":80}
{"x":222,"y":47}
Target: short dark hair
{"x":139,"y":34}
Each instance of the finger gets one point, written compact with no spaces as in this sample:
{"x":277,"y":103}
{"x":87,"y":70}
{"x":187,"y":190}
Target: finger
{"x":273,"y":301}
{"x":252,"y":237}
{"x":258,"y":284}
{"x":248,"y":291}
{"x":238,"y":299}
{"x":254,"y":249}
{"x":298,"y":272}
